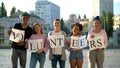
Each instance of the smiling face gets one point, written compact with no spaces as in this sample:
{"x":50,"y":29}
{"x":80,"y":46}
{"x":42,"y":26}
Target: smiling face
{"x":56,"y":24}
{"x":96,"y":24}
{"x":76,"y":30}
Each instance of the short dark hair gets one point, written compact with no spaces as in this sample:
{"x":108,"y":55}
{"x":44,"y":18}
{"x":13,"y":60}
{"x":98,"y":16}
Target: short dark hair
{"x":78,"y":24}
{"x":97,"y":18}
{"x":25,"y":14}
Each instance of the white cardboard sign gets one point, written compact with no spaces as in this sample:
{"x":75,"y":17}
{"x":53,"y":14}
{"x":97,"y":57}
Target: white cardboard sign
{"x":56,"y":41}
{"x":34,"y":45}
{"x":78,"y":42}
{"x":96,"y":42}
{"x":17,"y":35}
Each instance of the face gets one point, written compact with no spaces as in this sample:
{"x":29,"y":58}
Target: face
{"x":37,"y":28}
{"x":96,"y":24}
{"x":56,"y":24}
{"x":76,"y":30}
{"x":25,"y":19}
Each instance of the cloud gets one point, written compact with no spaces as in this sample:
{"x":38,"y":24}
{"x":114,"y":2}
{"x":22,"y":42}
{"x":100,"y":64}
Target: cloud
{"x":116,"y":0}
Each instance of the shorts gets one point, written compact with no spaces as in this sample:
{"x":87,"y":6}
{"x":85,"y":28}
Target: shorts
{"x":76,"y":55}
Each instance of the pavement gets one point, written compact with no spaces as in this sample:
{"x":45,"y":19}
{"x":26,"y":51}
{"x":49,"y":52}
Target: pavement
{"x":112,"y":59}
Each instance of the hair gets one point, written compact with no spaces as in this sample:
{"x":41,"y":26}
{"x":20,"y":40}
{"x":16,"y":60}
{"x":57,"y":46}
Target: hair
{"x":77,"y":24}
{"x":56,"y":20}
{"x":97,"y":18}
{"x":34,"y":28}
{"x":25,"y":14}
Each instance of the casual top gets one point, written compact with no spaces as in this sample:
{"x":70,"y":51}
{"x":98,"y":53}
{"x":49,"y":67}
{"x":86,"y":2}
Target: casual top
{"x":28,"y":33}
{"x":45,"y":41}
{"x":102,"y":32}
{"x":57,"y":51}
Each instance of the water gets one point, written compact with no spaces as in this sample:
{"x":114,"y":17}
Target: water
{"x":112,"y":59}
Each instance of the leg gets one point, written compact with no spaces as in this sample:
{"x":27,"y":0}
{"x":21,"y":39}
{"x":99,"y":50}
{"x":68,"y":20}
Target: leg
{"x":54,"y":62}
{"x":79,"y":63}
{"x":72,"y":63}
{"x":33,"y":61}
{"x":100,"y":59}
{"x":14,"y":58}
{"x":22,"y":57}
{"x":62,"y":63}
{"x":42,"y":60}
{"x":92,"y":59}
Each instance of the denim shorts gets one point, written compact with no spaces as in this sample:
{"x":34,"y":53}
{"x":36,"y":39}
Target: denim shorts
{"x":76,"y":55}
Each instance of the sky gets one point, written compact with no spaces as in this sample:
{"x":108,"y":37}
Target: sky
{"x":67,"y":7}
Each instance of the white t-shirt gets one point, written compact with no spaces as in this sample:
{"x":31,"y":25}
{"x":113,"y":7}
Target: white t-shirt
{"x":56,"y":51}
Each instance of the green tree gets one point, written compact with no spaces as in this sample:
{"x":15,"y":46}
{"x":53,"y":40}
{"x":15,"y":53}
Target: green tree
{"x":107,"y":23}
{"x":63,"y":27}
{"x":12,"y":11}
{"x":103,"y":20}
{"x":110,"y":24}
{"x":3,"y":12}
{"x":62,"y":24}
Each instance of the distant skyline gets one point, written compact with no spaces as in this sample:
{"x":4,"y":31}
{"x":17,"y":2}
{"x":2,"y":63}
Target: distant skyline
{"x":67,"y":7}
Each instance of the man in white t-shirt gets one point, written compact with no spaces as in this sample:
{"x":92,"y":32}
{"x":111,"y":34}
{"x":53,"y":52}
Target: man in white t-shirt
{"x":57,"y":54}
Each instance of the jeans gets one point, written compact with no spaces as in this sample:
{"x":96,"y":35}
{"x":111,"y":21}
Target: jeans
{"x":37,"y":57}
{"x":58,"y":58}
{"x":21,"y":54}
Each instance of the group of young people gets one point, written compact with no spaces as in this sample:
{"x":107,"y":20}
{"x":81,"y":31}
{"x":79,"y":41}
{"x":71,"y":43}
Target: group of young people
{"x":19,"y":49}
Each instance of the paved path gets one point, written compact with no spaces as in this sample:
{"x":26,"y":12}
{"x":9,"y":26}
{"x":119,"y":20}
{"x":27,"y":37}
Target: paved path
{"x":112,"y":59}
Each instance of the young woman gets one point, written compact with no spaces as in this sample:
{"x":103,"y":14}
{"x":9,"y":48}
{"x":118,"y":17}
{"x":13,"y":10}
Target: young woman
{"x":39,"y":55}
{"x":96,"y":56}
{"x":57,"y":54}
{"x":76,"y":54}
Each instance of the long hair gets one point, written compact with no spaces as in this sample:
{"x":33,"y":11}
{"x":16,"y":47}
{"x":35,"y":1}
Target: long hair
{"x":34,"y":28}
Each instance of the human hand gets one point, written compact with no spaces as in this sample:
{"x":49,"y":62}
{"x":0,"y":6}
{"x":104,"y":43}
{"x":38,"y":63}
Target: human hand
{"x":21,"y":43}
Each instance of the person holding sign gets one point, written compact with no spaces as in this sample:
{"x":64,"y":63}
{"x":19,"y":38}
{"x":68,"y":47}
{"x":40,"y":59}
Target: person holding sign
{"x":76,"y":54}
{"x":40,"y":48}
{"x":18,"y":48}
{"x":97,"y":39}
{"x":57,"y":49}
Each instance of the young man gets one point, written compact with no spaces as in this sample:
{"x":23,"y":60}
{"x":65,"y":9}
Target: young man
{"x":57,"y":54}
{"x":18,"y":48}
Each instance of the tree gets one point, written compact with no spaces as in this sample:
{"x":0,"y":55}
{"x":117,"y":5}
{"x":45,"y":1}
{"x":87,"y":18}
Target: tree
{"x":64,"y":28}
{"x":107,"y":22}
{"x":103,"y":20}
{"x":62,"y":24}
{"x":3,"y":12}
{"x":110,"y":24}
{"x":12,"y":11}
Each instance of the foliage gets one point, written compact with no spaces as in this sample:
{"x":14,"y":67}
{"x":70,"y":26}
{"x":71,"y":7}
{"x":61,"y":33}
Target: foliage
{"x":3,"y":12}
{"x":107,"y":23}
{"x":12,"y":11}
{"x":63,"y":27}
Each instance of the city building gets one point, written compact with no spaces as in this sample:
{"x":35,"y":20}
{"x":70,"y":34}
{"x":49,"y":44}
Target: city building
{"x":7,"y":23}
{"x":102,"y":5}
{"x":116,"y":21}
{"x":48,"y":11}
